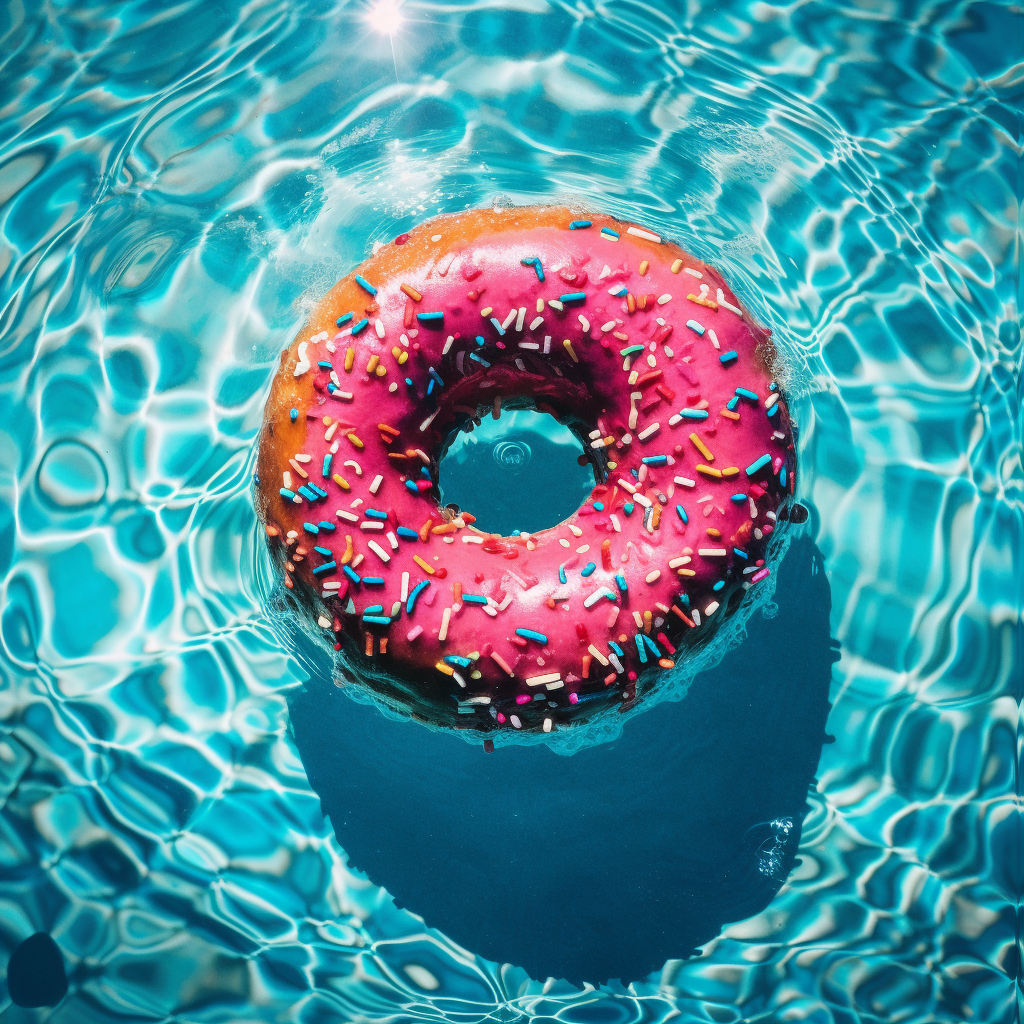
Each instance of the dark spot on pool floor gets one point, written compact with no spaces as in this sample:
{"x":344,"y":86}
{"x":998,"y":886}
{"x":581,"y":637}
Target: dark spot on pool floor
{"x":35,"y":973}
{"x":607,"y":863}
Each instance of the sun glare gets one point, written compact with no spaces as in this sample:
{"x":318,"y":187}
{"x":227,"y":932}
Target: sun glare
{"x":385,"y":16}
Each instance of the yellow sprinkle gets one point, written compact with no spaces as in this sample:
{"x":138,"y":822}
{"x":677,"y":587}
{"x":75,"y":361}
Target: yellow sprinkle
{"x":446,"y":669}
{"x":486,"y":311}
{"x":731,"y":471}
{"x":372,"y":364}
{"x":381,"y":370}
{"x":341,"y":482}
{"x":350,"y":358}
{"x":699,"y":445}
{"x":423,"y":565}
{"x":567,"y":345}
{"x":708,"y":471}
{"x":540,"y":305}
{"x":686,"y":572}
{"x":355,"y":440}
{"x":677,"y":266}
{"x":643,"y":267}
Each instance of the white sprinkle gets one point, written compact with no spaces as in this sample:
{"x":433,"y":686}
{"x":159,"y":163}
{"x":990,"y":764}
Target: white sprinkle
{"x":430,"y":419}
{"x":584,"y":322}
{"x":728,"y":305}
{"x":610,"y":326}
{"x":771,"y":400}
{"x":520,"y":318}
{"x":692,"y":272}
{"x":532,"y":345}
{"x":711,"y":609}
{"x":378,"y":551}
{"x":597,"y":654}
{"x":472,"y":540}
{"x":547,"y":344}
{"x":555,"y":304}
{"x":379,"y":328}
{"x":349,"y":516}
{"x":685,"y":481}
{"x":662,"y":299}
{"x":647,"y":431}
{"x":435,"y":238}
{"x":641,"y":233}
{"x":696,"y":617}
{"x":511,"y":316}
{"x":536,"y":322}
{"x":447,"y":344}
{"x":445,"y":619}
{"x":675,"y":563}
{"x":616,"y":525}
{"x":650,"y":577}
{"x":549,"y":677}
{"x":367,"y":525}
{"x":596,"y":596}
{"x":711,"y":552}
{"x":377,"y":481}
{"x":713,"y":337}
{"x":547,"y":725}
{"x":303,"y":364}
{"x":405,"y":586}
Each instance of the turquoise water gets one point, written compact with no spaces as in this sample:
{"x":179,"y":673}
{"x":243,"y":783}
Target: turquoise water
{"x":178,"y":185}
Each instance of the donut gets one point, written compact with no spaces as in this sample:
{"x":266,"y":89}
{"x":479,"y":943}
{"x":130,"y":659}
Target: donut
{"x":642,"y":350}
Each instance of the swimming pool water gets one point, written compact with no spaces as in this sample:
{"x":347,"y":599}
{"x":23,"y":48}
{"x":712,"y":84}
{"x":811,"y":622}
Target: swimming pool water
{"x":178,"y":183}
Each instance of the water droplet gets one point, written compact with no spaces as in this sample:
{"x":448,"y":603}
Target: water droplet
{"x":513,"y":455}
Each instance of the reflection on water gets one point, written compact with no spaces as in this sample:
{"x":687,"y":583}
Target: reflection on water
{"x":178,"y":184}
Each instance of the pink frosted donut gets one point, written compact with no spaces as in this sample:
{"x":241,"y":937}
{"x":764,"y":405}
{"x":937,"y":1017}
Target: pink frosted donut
{"x":597,"y":321}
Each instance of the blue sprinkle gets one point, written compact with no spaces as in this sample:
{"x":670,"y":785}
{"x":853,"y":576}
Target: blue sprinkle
{"x":310,"y":528}
{"x":782,"y":476}
{"x":532,"y":634}
{"x":411,"y":485}
{"x":758,"y":464}
{"x":599,"y":506}
{"x":628,"y":508}
{"x":694,"y":414}
{"x":425,"y":471}
{"x":651,"y":644}
{"x":307,"y":493}
{"x":344,"y":319}
{"x":474,"y":599}
{"x":375,"y":513}
{"x":562,"y":578}
{"x":433,"y":373}
{"x":479,"y":359}
{"x":640,"y":649}
{"x":285,"y":493}
{"x":655,"y":460}
{"x":325,"y":525}
{"x":621,"y":580}
{"x":732,"y":403}
{"x":694,"y":326}
{"x":326,"y":552}
{"x":374,"y":609}
{"x":324,"y":364}
{"x":326,"y":569}
{"x":497,"y":326}
{"x":319,"y":490}
{"x":455,"y":659}
{"x":327,"y":465}
{"x":728,"y":357}
{"x":608,"y":231}
{"x":618,"y":290}
{"x":294,"y":414}
{"x":415,"y":593}
{"x":380,"y":620}
{"x":738,"y":497}
{"x":430,"y":387}
{"x":773,"y":386}
{"x":480,"y":340}
{"x":361,"y":326}
{"x":404,"y":531}
{"x":573,"y":297}
{"x":576,"y":224}
{"x":616,"y":648}
{"x":534,"y":261}
{"x":773,"y":410}
{"x":682,"y":513}
{"x":374,"y":581}
{"x":740,"y":552}
{"x":430,"y":318}
{"x":719,"y":585}
{"x":746,"y":393}
{"x":350,"y":573}
{"x":587,"y":570}
{"x":365,"y":285}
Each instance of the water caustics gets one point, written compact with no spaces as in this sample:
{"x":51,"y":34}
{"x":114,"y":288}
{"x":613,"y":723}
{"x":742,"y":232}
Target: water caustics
{"x":178,"y":185}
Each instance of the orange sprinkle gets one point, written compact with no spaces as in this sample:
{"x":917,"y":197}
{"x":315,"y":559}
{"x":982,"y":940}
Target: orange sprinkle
{"x":383,"y":645}
{"x":387,"y":429}
{"x":347,"y":556}
{"x":729,"y":414}
{"x":630,"y":302}
{"x":425,"y":530}
{"x":423,"y":565}
{"x":586,"y":666}
{"x":341,"y":482}
{"x":708,"y":471}
{"x":350,"y":359}
{"x":372,"y":364}
{"x":444,"y":528}
{"x":411,"y":292}
{"x":712,"y":532}
{"x":369,"y":645}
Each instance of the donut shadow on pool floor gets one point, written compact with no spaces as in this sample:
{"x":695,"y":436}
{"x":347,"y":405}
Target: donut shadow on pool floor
{"x":604,"y":864}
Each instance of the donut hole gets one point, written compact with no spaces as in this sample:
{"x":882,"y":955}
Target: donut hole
{"x":521,"y":473}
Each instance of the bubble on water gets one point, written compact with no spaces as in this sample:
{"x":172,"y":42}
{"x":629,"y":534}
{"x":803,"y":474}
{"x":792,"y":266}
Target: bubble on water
{"x":514,"y":455}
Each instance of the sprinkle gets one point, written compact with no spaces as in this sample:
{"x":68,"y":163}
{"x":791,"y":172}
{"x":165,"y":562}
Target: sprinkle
{"x":677,"y":265}
{"x":474,"y":599}
{"x":378,"y":551}
{"x":745,"y":393}
{"x":576,"y":224}
{"x":621,"y":581}
{"x":682,"y":513}
{"x":573,"y":297}
{"x":293,"y":414}
{"x":662,"y":299}
{"x":694,"y":273}
{"x":377,"y":581}
{"x":410,"y":604}
{"x":758,"y":464}
{"x":758,"y":576}
{"x":404,"y":531}
{"x":425,"y":566}
{"x":708,"y":471}
{"x":327,"y":567}
{"x":712,"y":552}
{"x":652,"y":460}
{"x":694,"y":414}
{"x":694,"y":326}
{"x":587,"y":570}
{"x":535,"y":323}
{"x":344,"y":319}
{"x":652,"y":576}
{"x":532,"y":634}
{"x":501,"y":663}
{"x":378,"y":620}
{"x":445,"y":619}
{"x":534,"y":261}
{"x":567,"y":345}
{"x":285,"y":493}
{"x":648,"y":431}
{"x":340,"y":481}
{"x":728,"y":357}
{"x":542,"y":680}
{"x":608,"y":233}
{"x":728,"y":305}
{"x":359,"y":328}
{"x":498,"y":326}
{"x":411,"y":292}
{"x":365,"y":285}
{"x":685,"y":481}
{"x":630,"y":350}
{"x":701,"y":447}
{"x":430,"y":318}
{"x":596,"y":596}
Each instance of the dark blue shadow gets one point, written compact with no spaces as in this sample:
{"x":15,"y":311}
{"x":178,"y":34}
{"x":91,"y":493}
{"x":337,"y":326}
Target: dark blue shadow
{"x":607,"y":863}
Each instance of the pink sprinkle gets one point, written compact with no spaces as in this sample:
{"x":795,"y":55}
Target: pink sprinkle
{"x":523,"y":698}
{"x":573,"y":698}
{"x":413,"y":633}
{"x":501,"y":717}
{"x":760,"y":575}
